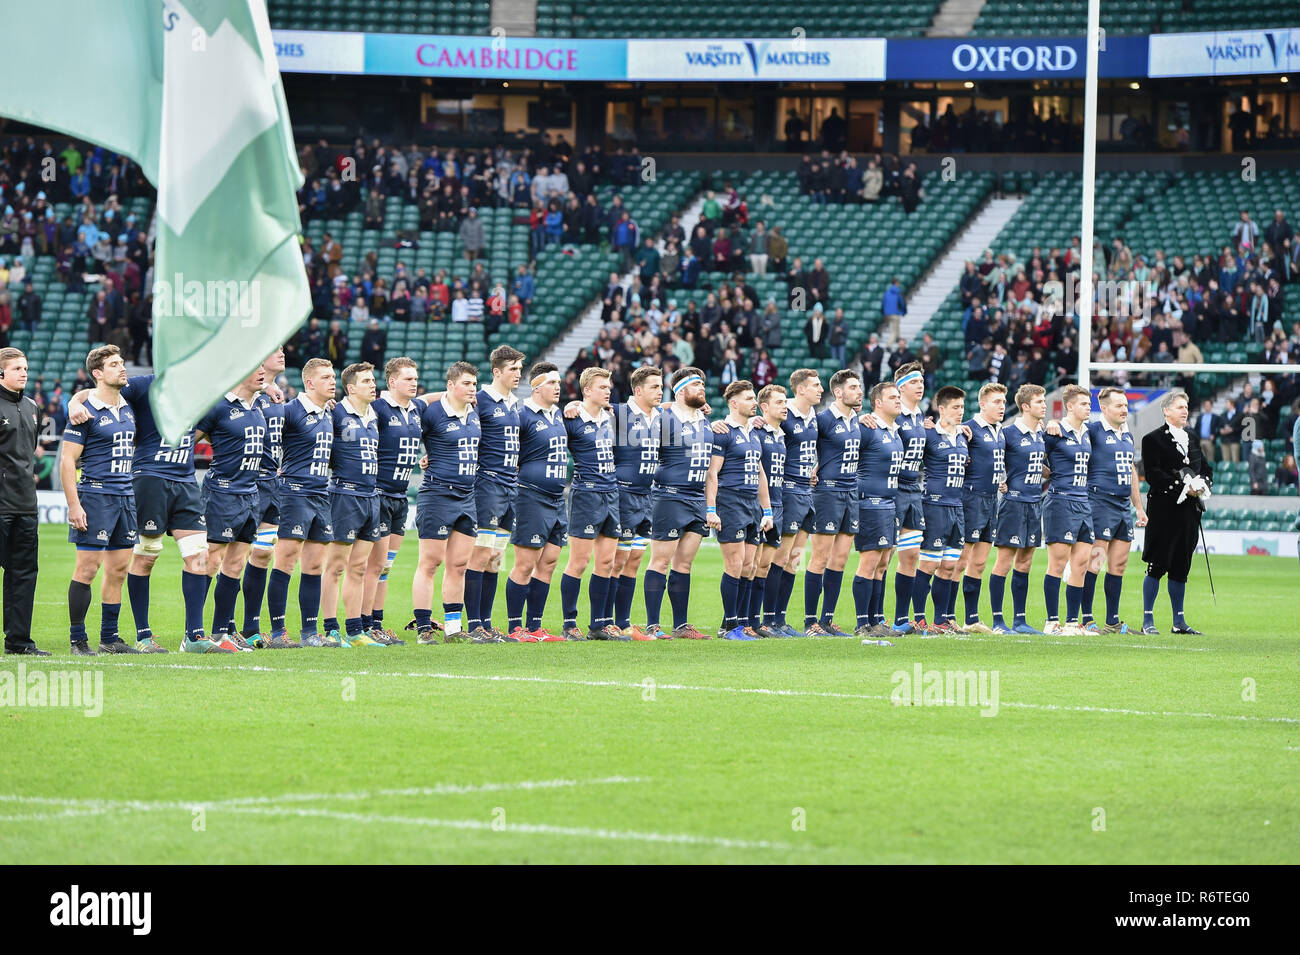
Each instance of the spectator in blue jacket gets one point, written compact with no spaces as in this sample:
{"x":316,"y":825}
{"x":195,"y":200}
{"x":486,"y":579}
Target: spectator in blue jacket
{"x":893,"y":308}
{"x":625,"y":238}
{"x":525,"y":287}
{"x":690,"y":269}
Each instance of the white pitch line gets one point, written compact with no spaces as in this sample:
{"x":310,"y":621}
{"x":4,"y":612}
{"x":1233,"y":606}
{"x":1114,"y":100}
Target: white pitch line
{"x":95,"y":806}
{"x":679,"y":838}
{"x":743,"y":690}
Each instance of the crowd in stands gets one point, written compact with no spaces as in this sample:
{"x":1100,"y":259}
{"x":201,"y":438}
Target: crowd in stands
{"x":840,"y":179}
{"x":98,"y":245}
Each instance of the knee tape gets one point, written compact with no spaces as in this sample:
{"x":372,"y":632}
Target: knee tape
{"x":190,"y":545}
{"x":149,"y":546}
{"x":388,"y":565}
{"x":952,"y":554}
{"x":502,"y":539}
{"x":911,"y":542}
{"x":486,"y":537}
{"x":265,"y":539}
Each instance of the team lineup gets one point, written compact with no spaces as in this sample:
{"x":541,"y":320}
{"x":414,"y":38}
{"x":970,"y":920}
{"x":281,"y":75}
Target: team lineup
{"x":320,"y":486}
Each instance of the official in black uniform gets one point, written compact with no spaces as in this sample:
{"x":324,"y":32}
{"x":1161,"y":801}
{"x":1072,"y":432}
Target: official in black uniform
{"x":19,"y":541}
{"x":1179,"y":478}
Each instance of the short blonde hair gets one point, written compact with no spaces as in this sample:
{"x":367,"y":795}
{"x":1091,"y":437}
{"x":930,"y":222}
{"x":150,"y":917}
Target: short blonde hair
{"x":313,"y":365}
{"x":1027,"y":393}
{"x":992,"y":388}
{"x":589,"y":375}
{"x":1070,"y":392}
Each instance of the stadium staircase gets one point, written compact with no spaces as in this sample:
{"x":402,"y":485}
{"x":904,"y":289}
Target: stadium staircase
{"x":516,"y":17}
{"x":583,"y":332}
{"x":955,"y":18}
{"x":978,"y":235}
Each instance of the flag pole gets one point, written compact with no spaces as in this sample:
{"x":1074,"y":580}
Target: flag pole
{"x":1083,"y":303}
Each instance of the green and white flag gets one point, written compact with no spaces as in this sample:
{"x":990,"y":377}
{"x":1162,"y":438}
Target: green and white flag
{"x":189,"y":89}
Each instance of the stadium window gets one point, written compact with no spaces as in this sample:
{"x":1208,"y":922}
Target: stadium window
{"x":444,"y":115}
{"x":736,"y":120}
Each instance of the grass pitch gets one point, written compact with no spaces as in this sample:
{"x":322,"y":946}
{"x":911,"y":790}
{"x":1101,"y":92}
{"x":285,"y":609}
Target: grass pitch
{"x":1104,"y":749}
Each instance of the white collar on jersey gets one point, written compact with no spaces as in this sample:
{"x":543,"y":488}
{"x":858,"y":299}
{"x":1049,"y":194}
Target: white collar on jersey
{"x":692,"y":415}
{"x":231,"y":396}
{"x":843,"y":417}
{"x":366,"y":418}
{"x":806,"y":419}
{"x":1021,"y":424}
{"x":938,"y":428}
{"x":446,"y":406}
{"x":549,"y":412}
{"x":741,"y":426}
{"x":509,"y":397}
{"x":309,"y":404}
{"x":1077,"y":435}
{"x":979,"y":419}
{"x":93,"y":399}
{"x":650,"y":416}
{"x":1122,"y":429}
{"x":592,"y":419}
{"x":906,"y":409}
{"x":393,"y":400}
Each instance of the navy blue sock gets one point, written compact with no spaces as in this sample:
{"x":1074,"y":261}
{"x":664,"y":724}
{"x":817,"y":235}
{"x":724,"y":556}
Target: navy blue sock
{"x":538,"y":591}
{"x":194,"y":591}
{"x":812,"y":595}
{"x":970,"y":597}
{"x":330,"y":624}
{"x":224,"y":594}
{"x":864,"y":592}
{"x":997,"y":592}
{"x":516,"y":597}
{"x":1052,"y":596}
{"x":108,"y":614}
{"x":1020,"y":594}
{"x":730,"y":588}
{"x":377,"y":617}
{"x":784,"y":595}
{"x":137,"y":591}
{"x":878,"y":600}
{"x":1089,"y":591}
{"x":757,"y":586}
{"x":611,"y":597}
{"x":570,"y":589}
{"x":487,"y":597}
{"x":473,"y":588}
{"x":1112,"y":586}
{"x":903,"y":587}
{"x":939,"y":592}
{"x":309,"y":601}
{"x":353,"y":626}
{"x":950,"y":602}
{"x":367,"y":622}
{"x":78,"y":604}
{"x":1150,"y":590}
{"x":1177,"y":590}
{"x":743,"y":590}
{"x":771,"y":594}
{"x":655,"y":585}
{"x":277,"y":599}
{"x":832,"y":581}
{"x":1073,"y":600}
{"x":920,"y":592}
{"x":679,"y":595}
{"x":597,"y":591}
{"x":623,"y":595}
{"x":423,"y":618}
{"x":254,"y":590}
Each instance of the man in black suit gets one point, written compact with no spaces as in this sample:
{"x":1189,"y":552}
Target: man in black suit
{"x":1207,"y":429}
{"x":1179,"y":478}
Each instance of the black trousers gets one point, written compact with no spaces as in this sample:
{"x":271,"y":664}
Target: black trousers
{"x":19,"y":546}
{"x":1171,"y":537}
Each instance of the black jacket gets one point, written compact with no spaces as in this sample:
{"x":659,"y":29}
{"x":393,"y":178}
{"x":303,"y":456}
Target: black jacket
{"x":17,"y":452}
{"x":1164,"y":465}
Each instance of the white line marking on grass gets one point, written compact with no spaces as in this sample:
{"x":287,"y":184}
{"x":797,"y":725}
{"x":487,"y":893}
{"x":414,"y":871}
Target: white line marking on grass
{"x":744,"y":690}
{"x":679,"y":838}
{"x":96,"y":806}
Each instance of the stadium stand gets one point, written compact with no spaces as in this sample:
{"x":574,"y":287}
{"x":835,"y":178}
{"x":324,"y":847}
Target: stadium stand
{"x":455,"y":17}
{"x":823,"y":18}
